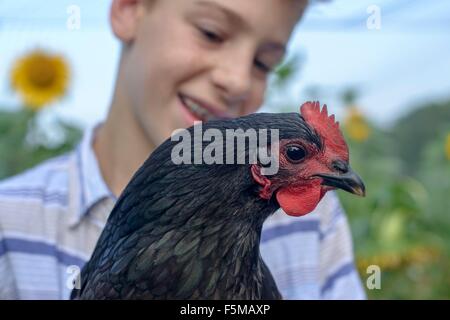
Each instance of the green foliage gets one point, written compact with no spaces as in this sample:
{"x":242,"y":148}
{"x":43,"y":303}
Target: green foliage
{"x":285,"y":71}
{"x":349,"y":96}
{"x":403,"y":225}
{"x":22,"y":144}
{"x":419,"y":128}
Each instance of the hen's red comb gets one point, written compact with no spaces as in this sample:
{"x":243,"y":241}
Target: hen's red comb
{"x":311,"y":112}
{"x":325,"y":126}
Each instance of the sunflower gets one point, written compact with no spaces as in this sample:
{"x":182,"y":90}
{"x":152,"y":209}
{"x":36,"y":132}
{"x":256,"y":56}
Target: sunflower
{"x":40,"y":78}
{"x":447,"y":147}
{"x":356,"y":125}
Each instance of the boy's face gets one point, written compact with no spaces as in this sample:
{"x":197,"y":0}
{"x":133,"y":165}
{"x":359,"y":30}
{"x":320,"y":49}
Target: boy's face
{"x":192,"y":60}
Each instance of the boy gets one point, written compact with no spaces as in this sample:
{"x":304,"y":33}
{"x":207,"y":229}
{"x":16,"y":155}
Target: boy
{"x":182,"y":61}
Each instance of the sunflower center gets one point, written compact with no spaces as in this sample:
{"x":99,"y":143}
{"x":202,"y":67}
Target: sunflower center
{"x":42,"y":72}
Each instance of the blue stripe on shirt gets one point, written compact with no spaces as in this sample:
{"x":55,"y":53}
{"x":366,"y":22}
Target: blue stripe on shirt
{"x":293,"y":227}
{"x":37,"y":194}
{"x":8,"y":245}
{"x":343,"y":271}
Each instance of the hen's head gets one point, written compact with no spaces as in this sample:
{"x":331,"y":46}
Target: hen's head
{"x":310,"y":164}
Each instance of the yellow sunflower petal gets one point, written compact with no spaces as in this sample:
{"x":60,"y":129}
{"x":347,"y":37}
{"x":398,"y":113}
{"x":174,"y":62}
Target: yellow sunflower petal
{"x":447,"y":147}
{"x":356,"y":125}
{"x":40,"y":78}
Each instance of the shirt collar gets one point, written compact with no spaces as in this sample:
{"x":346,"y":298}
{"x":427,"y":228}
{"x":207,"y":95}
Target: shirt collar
{"x":91,"y":185}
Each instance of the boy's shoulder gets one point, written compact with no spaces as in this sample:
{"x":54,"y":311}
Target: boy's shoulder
{"x":47,"y":180}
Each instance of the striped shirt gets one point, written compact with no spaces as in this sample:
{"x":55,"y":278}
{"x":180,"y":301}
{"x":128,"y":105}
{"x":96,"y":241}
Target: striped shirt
{"x":52,"y":215}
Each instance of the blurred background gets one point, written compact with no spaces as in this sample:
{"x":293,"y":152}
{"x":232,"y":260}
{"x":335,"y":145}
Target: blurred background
{"x":383,"y":67}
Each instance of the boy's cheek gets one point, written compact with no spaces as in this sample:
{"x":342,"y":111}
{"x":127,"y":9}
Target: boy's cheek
{"x":256,"y":99}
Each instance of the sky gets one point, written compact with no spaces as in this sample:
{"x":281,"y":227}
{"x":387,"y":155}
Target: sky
{"x":396,"y":67}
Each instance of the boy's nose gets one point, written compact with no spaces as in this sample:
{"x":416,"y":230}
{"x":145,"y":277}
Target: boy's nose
{"x":233,"y":79}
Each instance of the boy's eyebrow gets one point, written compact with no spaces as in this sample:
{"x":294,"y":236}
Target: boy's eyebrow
{"x":238,"y":20}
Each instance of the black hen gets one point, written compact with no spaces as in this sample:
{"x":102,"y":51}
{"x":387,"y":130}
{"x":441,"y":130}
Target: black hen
{"x":193,"y":231}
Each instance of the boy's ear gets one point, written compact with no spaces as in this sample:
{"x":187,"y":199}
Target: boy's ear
{"x":124,"y":17}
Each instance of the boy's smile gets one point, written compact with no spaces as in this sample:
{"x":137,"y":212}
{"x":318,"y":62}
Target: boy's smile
{"x":194,"y":109}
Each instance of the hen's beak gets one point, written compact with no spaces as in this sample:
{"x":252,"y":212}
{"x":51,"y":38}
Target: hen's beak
{"x":348,"y":181}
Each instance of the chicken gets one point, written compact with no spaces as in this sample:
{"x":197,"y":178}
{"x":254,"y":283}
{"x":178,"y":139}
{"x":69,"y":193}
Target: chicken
{"x":192,"y":231}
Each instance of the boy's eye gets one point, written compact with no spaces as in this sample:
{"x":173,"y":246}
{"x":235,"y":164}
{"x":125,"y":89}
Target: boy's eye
{"x":262,"y":66}
{"x":211,"y":35}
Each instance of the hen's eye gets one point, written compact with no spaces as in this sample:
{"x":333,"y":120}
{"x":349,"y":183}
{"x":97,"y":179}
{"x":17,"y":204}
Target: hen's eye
{"x":295,"y":153}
